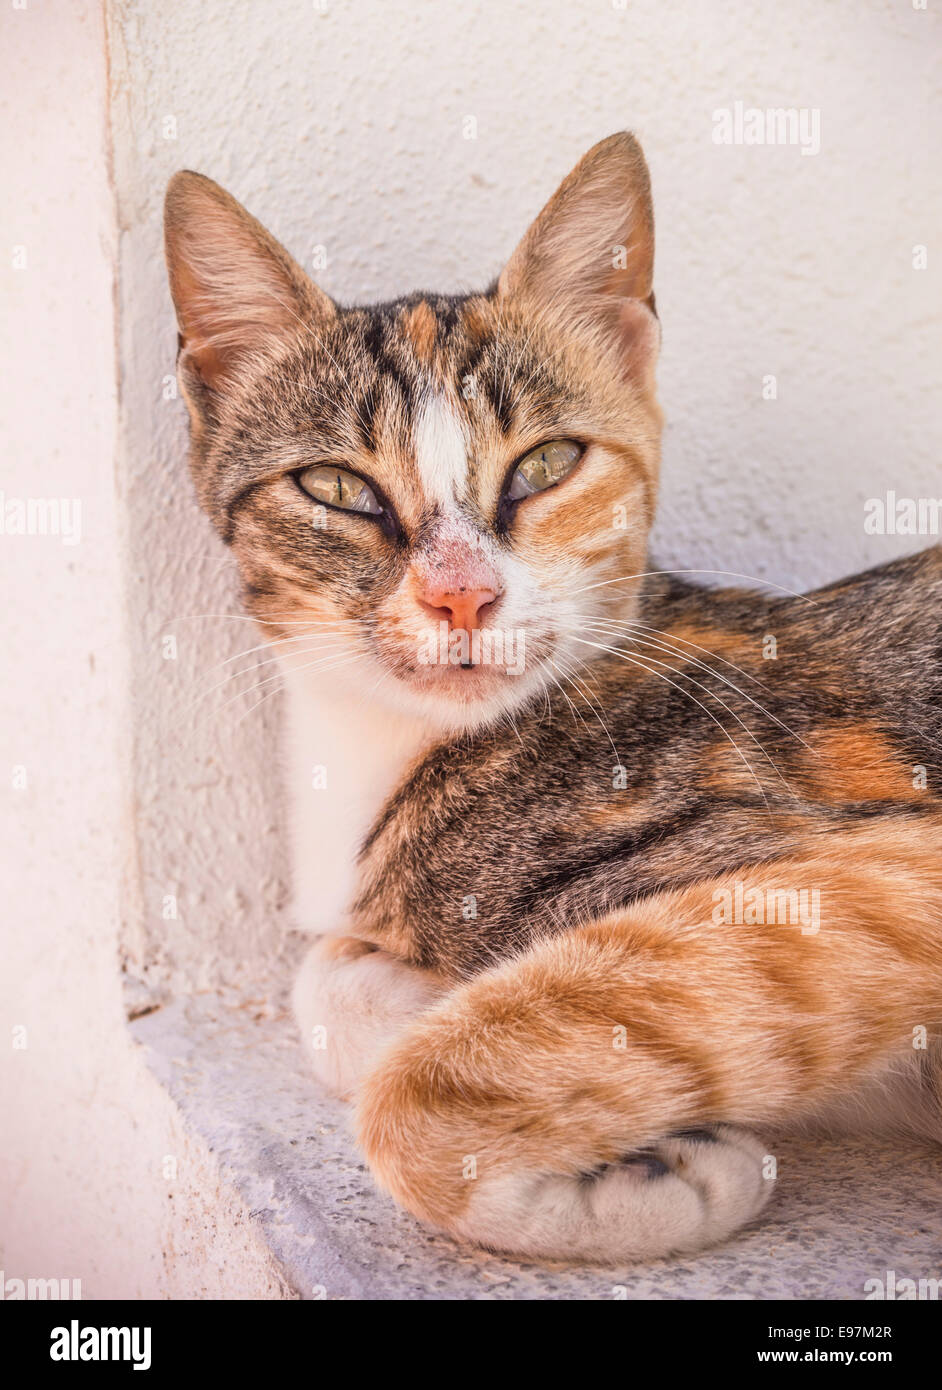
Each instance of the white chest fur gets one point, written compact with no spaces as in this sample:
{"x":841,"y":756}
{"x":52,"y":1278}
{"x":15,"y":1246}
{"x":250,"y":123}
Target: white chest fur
{"x":343,"y":757}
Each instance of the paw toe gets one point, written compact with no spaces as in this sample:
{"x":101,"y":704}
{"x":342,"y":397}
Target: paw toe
{"x":697,"y":1136}
{"x":646,"y":1165}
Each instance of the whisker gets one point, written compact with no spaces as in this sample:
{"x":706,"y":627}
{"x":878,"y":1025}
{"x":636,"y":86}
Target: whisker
{"x":324,"y":660}
{"x":593,"y":704}
{"x":272,"y":643}
{"x":639,"y":662}
{"x":673,"y":636}
{"x":268,"y":661}
{"x":267,"y":622}
{"x":727,"y":574}
{"x":603,"y":623}
{"x":576,"y":714}
{"x":713,"y":695}
{"x":330,"y":665}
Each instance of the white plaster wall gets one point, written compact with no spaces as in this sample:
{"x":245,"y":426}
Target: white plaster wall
{"x":342,"y":125}
{"x":99,"y":1180}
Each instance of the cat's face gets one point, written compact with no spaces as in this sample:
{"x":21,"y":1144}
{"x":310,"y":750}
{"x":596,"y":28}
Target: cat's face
{"x":430,"y":497}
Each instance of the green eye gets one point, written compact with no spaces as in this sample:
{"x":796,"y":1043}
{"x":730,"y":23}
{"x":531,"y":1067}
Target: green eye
{"x":338,"y":488}
{"x":543,"y":467}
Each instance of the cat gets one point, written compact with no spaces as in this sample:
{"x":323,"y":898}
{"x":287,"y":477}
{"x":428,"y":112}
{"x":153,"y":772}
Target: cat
{"x":588,"y":926}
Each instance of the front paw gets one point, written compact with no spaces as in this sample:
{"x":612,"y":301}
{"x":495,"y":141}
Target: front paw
{"x":352,"y":1001}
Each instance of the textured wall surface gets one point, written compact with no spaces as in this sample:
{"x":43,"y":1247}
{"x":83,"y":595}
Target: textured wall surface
{"x":98,"y":1180}
{"x":343,"y":125}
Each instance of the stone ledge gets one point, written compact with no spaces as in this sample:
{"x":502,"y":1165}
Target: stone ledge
{"x":842,"y":1214}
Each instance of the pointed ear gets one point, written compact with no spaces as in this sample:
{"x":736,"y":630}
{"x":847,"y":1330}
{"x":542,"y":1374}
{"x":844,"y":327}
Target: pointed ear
{"x":237,"y":292}
{"x":588,"y":259}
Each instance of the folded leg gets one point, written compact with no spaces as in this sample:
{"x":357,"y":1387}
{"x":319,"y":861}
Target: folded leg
{"x":544,"y":1108}
{"x":351,"y":1002}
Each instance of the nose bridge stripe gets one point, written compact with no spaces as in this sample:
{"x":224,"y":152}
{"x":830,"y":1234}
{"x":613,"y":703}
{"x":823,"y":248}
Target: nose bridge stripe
{"x":441,"y":450}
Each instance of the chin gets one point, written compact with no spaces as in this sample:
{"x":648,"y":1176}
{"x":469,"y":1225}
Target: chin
{"x":456,"y":700}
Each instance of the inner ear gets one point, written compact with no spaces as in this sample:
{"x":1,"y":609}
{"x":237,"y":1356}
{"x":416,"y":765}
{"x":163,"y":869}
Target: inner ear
{"x":587,"y":260}
{"x":238,"y":294}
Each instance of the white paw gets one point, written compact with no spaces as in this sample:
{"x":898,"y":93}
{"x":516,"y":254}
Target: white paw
{"x":351,"y":1002}
{"x":686,"y":1192}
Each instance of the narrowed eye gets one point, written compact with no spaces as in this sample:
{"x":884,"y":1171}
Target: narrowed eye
{"x":543,"y":467}
{"x":338,"y":488}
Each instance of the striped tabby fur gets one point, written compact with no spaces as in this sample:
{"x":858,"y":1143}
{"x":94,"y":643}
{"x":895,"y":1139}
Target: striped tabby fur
{"x":544,"y":966}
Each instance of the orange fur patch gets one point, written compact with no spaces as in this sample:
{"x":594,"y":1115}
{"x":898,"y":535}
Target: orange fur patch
{"x":747,"y":1024}
{"x":856,"y":762}
{"x":420,"y":326}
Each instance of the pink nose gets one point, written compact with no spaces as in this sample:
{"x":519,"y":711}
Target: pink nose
{"x":462,"y":609}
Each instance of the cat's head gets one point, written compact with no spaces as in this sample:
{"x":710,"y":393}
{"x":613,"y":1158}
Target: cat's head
{"x":397,"y":478}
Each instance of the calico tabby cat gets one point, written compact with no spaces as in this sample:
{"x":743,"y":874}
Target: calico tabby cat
{"x":588,"y":917}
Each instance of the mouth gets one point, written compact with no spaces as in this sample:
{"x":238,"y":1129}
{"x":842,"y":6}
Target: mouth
{"x":485,"y":666}
{"x":465,"y":684}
